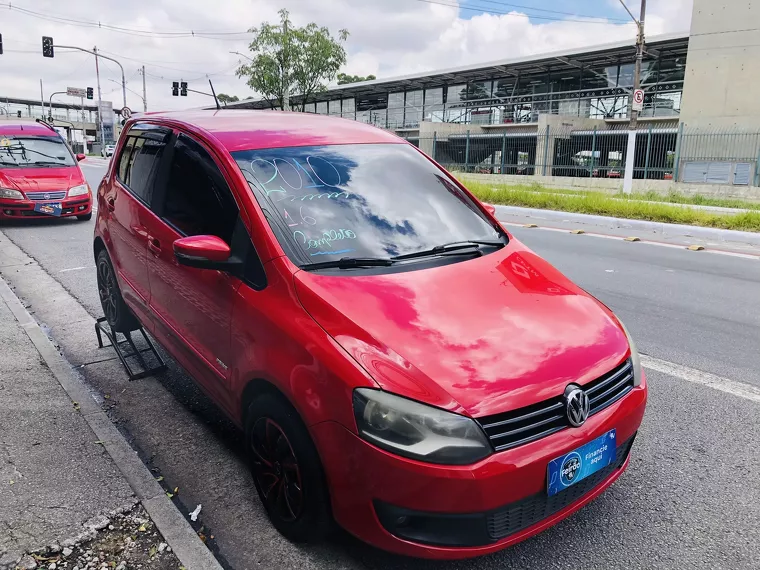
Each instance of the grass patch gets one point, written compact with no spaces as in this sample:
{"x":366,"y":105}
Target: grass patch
{"x":605,"y":205}
{"x":650,"y":196}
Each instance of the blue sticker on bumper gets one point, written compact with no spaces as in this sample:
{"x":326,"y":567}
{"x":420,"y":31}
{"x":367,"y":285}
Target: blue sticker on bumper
{"x":580,"y":463}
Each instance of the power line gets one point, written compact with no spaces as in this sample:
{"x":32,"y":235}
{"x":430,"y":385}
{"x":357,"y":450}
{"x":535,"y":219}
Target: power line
{"x":205,"y":34}
{"x":481,"y":9}
{"x":546,"y":10}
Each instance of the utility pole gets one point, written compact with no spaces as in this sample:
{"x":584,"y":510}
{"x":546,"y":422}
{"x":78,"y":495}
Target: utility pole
{"x":42,"y":100}
{"x":285,"y":76}
{"x":145,"y":95}
{"x":634,"y":118}
{"x":100,"y":102}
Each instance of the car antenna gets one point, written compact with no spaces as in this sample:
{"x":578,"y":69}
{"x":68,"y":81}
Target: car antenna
{"x":218,"y":107}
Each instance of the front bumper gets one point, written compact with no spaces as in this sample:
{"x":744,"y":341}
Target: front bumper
{"x":448,"y":512}
{"x":24,"y":209}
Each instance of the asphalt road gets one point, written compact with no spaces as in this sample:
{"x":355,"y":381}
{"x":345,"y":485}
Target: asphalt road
{"x":690,"y":497}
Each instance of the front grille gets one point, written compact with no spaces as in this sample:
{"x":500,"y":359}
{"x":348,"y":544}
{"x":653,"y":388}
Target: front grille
{"x":533,"y":422}
{"x":37,"y":196}
{"x":527,"y":512}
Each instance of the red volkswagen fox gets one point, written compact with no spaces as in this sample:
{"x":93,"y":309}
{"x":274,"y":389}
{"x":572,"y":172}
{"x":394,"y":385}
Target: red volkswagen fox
{"x":399,"y":362}
{"x":39,"y":176}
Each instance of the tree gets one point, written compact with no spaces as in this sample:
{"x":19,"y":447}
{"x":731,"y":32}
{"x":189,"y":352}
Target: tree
{"x":224,"y":98}
{"x":290,"y":60}
{"x":343,"y":78}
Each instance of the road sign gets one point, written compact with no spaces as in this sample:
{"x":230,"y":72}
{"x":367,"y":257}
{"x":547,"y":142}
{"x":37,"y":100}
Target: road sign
{"x":76,"y":92}
{"x":638,"y":100}
{"x":126,"y":113}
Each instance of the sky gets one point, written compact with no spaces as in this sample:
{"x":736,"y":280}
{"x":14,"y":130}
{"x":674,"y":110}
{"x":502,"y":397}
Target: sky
{"x":191,"y":40}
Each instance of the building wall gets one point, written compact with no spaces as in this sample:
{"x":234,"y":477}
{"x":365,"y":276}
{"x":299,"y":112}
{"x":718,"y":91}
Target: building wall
{"x":441,"y":132}
{"x":722,"y":85}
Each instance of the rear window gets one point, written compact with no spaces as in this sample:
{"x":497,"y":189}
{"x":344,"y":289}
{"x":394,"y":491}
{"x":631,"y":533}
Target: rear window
{"x":368,"y":200}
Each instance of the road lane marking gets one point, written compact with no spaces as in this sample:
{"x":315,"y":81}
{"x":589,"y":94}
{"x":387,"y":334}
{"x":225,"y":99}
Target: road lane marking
{"x":77,"y":268}
{"x":644,"y":241}
{"x":746,"y":391}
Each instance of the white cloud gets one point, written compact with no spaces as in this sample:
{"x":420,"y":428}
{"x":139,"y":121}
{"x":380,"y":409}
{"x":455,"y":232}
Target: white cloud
{"x":388,"y":38}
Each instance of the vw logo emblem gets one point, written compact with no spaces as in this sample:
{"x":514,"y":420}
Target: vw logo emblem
{"x":47,"y":196}
{"x":577,"y":405}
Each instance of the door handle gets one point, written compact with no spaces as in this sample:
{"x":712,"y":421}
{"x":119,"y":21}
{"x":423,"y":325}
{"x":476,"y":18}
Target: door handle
{"x":110,"y":204}
{"x":154,"y":246}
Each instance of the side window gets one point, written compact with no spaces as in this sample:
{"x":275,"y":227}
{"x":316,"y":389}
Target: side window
{"x":126,"y":152}
{"x":198,"y":200}
{"x":138,"y":165}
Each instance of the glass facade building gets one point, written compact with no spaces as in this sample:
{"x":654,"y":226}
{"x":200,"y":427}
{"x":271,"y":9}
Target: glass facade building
{"x":593,"y":82}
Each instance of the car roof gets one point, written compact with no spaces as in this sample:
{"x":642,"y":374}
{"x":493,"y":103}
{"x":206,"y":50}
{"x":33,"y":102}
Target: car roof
{"x":247,"y":129}
{"x":30,"y":129}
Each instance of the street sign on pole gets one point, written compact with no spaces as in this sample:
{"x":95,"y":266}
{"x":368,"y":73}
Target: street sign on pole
{"x":638,"y":100}
{"x":76,"y":92}
{"x":125,"y":113}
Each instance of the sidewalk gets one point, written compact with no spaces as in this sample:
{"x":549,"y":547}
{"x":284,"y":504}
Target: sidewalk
{"x":72,"y":492}
{"x":55,"y":481}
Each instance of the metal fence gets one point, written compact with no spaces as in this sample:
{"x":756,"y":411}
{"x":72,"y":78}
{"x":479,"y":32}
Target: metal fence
{"x":662,"y":153}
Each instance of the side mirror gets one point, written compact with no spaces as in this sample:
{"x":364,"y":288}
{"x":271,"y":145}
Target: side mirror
{"x":205,"y":252}
{"x":81,"y":157}
{"x":490,"y":209}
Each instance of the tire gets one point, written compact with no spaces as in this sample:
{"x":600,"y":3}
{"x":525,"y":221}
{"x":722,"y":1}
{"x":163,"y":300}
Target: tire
{"x":119,"y":316}
{"x":288,"y":459}
{"x":85,"y":218}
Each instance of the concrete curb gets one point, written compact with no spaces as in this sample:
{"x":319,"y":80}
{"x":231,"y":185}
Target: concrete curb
{"x":177,"y":532}
{"x":716,"y":234}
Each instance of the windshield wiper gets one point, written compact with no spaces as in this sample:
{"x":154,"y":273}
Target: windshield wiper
{"x":457,"y":247}
{"x":45,"y":163}
{"x":350,"y":263}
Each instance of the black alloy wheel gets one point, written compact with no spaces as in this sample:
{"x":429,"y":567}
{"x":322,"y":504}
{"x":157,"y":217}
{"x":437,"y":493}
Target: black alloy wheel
{"x":107,"y":291}
{"x":116,"y":311}
{"x":287,"y":470}
{"x":276,"y":470}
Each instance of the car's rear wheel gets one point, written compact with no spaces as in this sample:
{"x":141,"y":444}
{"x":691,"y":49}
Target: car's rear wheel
{"x":85,"y":218}
{"x":118,"y":315}
{"x":286,"y":470}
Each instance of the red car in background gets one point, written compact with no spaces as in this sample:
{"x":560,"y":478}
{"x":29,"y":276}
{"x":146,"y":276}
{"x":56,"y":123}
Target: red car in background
{"x":39,"y":175}
{"x":398,"y":361}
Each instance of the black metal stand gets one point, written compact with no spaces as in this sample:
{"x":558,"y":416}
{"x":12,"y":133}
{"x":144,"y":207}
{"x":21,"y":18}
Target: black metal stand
{"x":102,"y":328}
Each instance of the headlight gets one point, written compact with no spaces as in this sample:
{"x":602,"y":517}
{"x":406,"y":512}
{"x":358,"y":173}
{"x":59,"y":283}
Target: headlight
{"x":634,"y":356}
{"x":79,"y":190}
{"x":418,"y":431}
{"x":11,"y":194}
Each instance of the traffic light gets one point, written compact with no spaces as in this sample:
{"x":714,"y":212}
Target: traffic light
{"x":175,"y":88}
{"x":183,"y":88}
{"x":47,"y":46}
{"x":1,"y":44}
{"x":89,"y":93}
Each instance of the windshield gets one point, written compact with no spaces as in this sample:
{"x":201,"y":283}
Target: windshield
{"x":325,"y":203}
{"x":34,"y":152}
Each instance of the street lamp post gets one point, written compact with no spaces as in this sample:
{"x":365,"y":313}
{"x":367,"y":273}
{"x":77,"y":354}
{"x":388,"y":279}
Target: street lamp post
{"x":634,"y":118}
{"x":145,"y":105}
{"x":97,"y":55}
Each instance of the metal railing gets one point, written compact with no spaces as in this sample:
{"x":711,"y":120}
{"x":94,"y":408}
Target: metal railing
{"x":663,"y":152}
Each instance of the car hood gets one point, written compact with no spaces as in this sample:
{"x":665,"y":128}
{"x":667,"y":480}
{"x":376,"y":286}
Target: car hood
{"x":41,"y":179}
{"x":479,"y":337}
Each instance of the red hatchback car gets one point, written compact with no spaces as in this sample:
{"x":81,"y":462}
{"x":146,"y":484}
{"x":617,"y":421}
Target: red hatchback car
{"x":399,"y":362}
{"x":39,"y":175}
